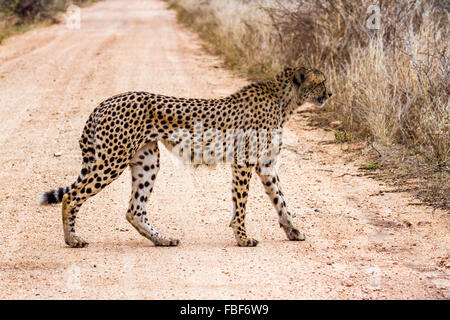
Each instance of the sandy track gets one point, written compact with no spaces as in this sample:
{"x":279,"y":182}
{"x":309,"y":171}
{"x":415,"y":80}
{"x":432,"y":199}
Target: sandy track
{"x":360,"y":244}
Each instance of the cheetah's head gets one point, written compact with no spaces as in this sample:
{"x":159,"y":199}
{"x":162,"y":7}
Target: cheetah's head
{"x":309,"y":85}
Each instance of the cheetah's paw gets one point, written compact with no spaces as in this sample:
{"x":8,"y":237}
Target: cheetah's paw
{"x":247,"y":242}
{"x":166,"y":242}
{"x":74,"y":241}
{"x":294,"y":234}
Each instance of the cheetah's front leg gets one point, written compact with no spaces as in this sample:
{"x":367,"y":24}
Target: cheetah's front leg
{"x":271,"y":183}
{"x":241,"y":181}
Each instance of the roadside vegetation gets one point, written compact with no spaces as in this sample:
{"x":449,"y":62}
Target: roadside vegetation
{"x":17,"y":16}
{"x":389,"y":77}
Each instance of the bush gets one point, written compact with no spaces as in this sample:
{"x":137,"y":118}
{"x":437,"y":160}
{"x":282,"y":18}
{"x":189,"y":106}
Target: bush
{"x":17,"y":16}
{"x":29,"y":10}
{"x":391,"y":84}
{"x":25,"y":9}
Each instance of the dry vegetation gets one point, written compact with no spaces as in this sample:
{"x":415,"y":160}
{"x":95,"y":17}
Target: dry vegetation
{"x":391,"y":84}
{"x":18,"y":16}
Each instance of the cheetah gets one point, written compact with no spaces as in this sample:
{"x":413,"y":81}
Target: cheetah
{"x":124,"y":130}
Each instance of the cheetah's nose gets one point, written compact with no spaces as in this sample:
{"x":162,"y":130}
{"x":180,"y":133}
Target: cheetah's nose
{"x":329,"y":95}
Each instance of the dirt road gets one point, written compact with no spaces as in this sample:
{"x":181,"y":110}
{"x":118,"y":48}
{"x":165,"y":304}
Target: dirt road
{"x":360,"y":243}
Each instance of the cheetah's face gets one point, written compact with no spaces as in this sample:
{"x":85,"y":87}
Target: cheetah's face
{"x":310,"y":85}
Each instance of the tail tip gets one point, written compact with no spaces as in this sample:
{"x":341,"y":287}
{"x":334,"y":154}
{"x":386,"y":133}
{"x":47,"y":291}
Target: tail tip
{"x":52,"y":197}
{"x":43,"y":199}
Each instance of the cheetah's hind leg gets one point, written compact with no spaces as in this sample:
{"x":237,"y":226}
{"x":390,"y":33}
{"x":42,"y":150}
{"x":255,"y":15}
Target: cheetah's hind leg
{"x":68,"y":218}
{"x":144,"y":169}
{"x":94,"y":179}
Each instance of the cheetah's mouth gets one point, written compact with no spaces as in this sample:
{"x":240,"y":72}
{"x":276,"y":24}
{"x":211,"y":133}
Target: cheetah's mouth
{"x":319,"y":101}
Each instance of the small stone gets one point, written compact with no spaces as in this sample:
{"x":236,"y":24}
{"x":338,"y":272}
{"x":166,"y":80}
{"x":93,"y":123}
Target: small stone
{"x":57,"y":154}
{"x":407,"y":223}
{"x":347,"y":283}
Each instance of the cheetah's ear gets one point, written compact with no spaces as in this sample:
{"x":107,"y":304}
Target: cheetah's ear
{"x":300,"y":76}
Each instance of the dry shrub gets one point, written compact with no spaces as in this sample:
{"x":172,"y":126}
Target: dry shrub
{"x":17,"y":16}
{"x":239,"y":30}
{"x":30,"y":10}
{"x":390,"y":84}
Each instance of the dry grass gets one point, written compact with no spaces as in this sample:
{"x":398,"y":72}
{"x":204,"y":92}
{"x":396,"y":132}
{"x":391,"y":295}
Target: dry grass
{"x":390,"y":84}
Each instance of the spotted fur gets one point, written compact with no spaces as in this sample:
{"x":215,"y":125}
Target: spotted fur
{"x":124,"y":130}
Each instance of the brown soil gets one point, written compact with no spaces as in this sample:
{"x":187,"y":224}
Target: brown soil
{"x":361,"y":243}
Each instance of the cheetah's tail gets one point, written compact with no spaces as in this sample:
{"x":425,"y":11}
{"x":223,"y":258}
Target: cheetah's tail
{"x":54,"y":196}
